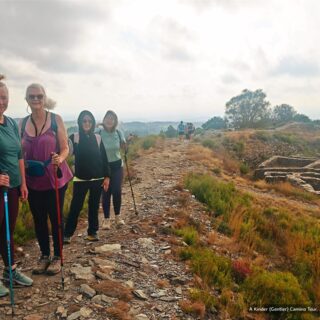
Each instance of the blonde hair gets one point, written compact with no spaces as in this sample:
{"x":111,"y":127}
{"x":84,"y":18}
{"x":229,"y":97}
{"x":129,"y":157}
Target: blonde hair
{"x":48,"y":102}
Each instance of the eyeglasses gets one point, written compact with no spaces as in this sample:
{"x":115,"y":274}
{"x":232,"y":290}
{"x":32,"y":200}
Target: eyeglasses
{"x":86,"y":120}
{"x":35,"y":96}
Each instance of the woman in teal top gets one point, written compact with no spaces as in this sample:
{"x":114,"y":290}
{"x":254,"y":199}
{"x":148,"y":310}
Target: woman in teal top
{"x":113,"y":141}
{"x":12,"y":178}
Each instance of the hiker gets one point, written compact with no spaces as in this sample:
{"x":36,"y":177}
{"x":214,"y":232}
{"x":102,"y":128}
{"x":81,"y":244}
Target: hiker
{"x":189,"y":130}
{"x":181,"y":128}
{"x":91,"y":174}
{"x":113,"y":141}
{"x":12,"y":176}
{"x":45,"y":149}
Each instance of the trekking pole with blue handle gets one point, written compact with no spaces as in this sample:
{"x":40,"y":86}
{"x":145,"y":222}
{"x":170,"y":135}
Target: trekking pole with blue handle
{"x":6,"y":210}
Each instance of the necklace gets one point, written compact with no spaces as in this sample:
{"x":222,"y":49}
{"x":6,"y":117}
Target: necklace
{"x":35,"y":126}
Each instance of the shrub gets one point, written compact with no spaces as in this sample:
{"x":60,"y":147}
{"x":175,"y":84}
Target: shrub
{"x":213,"y":269}
{"x":240,"y":270}
{"x":273,"y":288}
{"x":209,"y":144}
{"x":204,"y":296}
{"x":218,"y":196}
{"x":189,"y":235}
{"x":244,"y":168}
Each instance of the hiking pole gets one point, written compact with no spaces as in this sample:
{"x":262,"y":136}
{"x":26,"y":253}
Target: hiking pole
{"x":6,"y":209}
{"x":129,"y":178}
{"x":55,"y":169}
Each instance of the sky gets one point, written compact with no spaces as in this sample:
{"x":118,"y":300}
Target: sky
{"x":152,"y":60}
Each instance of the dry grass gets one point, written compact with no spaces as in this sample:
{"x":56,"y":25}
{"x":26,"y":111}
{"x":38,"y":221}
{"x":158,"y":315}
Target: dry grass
{"x":113,"y":289}
{"x":162,"y":283}
{"x":212,"y":237}
{"x":119,"y":311}
{"x":194,"y":308}
{"x":288,"y":190}
{"x":204,"y":156}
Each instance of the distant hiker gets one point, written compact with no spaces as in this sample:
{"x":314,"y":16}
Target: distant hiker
{"x":91,"y":174}
{"x":12,"y":177}
{"x":181,"y":129}
{"x":189,"y":130}
{"x":45,"y":149}
{"x":113,"y":141}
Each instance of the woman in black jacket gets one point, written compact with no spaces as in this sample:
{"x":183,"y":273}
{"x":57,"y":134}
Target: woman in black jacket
{"x":91,"y":174}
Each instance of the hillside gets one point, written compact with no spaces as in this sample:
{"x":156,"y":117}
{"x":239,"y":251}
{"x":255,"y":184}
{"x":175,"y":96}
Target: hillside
{"x":206,"y":240}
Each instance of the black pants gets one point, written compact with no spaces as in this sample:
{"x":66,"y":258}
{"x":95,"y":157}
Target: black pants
{"x":42,"y":204}
{"x":80,"y":189}
{"x":114,"y":190}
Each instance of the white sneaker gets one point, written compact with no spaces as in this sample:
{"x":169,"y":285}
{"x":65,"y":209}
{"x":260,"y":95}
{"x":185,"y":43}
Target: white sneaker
{"x":106,"y":224}
{"x":119,"y":222}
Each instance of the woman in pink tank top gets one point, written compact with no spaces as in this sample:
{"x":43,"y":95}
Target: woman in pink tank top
{"x":44,"y":139}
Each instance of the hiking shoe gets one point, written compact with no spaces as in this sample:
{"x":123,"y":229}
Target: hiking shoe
{"x":3,"y":290}
{"x":42,"y":265}
{"x":119,"y":222}
{"x":106,"y":224}
{"x":92,"y":237}
{"x":66,"y":240}
{"x":54,"y":267}
{"x":17,"y":277}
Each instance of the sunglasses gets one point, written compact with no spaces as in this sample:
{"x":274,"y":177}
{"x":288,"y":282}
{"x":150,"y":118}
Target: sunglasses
{"x":35,"y":96}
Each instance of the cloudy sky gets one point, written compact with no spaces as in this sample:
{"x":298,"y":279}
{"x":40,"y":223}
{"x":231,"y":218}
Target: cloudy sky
{"x":161,"y":59}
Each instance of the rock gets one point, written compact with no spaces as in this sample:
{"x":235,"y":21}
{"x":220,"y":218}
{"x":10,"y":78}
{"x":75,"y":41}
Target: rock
{"x":160,"y":293}
{"x":116,"y":247}
{"x":146,"y":242}
{"x":178,"y":291}
{"x":169,"y":299}
{"x":60,"y":310}
{"x":33,"y":317}
{"x":85,"y":312}
{"x":82,"y":273}
{"x":74,"y":316}
{"x":141,"y":316}
{"x":103,"y":275}
{"x":88,"y":291}
{"x":130,"y":284}
{"x":140,"y":294}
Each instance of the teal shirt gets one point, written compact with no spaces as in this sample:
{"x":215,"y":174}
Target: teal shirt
{"x":10,"y":151}
{"x":112,"y":144}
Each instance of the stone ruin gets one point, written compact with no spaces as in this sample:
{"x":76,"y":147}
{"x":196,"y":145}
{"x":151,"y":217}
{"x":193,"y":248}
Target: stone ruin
{"x":299,"y":171}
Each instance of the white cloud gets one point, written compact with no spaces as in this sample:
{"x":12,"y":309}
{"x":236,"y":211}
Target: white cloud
{"x":161,"y":59}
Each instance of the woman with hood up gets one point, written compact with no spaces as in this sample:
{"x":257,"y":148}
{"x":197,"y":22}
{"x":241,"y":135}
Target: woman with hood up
{"x":91,"y":174}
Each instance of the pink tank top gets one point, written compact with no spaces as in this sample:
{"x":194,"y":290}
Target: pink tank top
{"x":40,"y":148}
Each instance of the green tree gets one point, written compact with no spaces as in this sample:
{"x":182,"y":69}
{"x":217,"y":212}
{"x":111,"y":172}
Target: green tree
{"x":283,"y":113}
{"x":299,"y":117}
{"x":248,"y":110}
{"x":171,"y":132}
{"x":214,"y":123}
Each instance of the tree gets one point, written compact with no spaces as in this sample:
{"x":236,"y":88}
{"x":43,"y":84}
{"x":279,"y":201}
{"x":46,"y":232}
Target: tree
{"x":214,"y":123}
{"x":283,"y":113}
{"x":248,"y":110}
{"x":171,"y":132}
{"x":299,"y":117}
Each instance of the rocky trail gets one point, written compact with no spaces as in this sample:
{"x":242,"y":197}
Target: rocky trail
{"x":131,"y":272}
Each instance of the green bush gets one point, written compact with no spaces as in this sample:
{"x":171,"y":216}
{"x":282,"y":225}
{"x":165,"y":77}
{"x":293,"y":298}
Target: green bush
{"x":218,"y":196}
{"x":205,"y":297}
{"x":189,"y":235}
{"x":244,"y":168}
{"x":148,"y":142}
{"x":273,"y":288}
{"x":208,"y":143}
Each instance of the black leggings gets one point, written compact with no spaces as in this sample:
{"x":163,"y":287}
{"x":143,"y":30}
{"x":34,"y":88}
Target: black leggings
{"x":80,"y":189}
{"x":114,"y":190}
{"x":42,"y":204}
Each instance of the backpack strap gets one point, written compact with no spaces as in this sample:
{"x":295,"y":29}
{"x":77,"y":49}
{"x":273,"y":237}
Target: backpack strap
{"x":76,"y":138}
{"x":23,"y":125}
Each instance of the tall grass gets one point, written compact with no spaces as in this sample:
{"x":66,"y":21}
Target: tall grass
{"x":272,"y":231}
